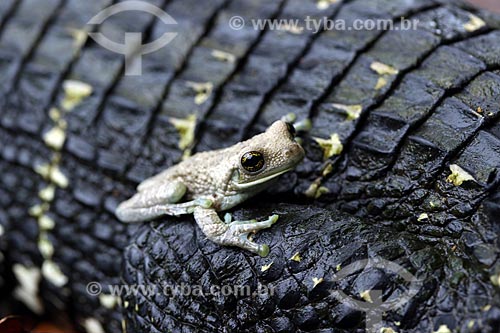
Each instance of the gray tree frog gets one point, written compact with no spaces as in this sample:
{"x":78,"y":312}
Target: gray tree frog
{"x":218,"y":180}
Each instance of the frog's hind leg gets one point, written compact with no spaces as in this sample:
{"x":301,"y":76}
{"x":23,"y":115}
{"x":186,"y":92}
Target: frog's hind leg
{"x":156,"y":201}
{"x":234,"y":233}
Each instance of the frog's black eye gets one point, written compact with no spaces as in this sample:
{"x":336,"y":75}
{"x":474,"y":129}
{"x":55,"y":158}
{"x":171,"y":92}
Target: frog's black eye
{"x":252,"y":161}
{"x":290,"y":129}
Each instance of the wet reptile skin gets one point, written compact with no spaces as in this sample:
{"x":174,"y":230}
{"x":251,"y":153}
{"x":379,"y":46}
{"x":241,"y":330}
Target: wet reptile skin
{"x":386,"y":194}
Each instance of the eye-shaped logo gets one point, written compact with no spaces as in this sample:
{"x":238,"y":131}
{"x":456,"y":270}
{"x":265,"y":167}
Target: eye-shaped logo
{"x":132,"y":49}
{"x":375,"y":307}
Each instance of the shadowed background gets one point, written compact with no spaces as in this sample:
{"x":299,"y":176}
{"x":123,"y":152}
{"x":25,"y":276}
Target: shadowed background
{"x":488,"y":4}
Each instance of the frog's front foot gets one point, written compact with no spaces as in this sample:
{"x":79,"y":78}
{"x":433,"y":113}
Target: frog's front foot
{"x":238,"y":232}
{"x":235,"y":233}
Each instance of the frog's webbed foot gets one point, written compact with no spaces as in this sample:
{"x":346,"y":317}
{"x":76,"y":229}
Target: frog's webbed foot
{"x":234,"y":233}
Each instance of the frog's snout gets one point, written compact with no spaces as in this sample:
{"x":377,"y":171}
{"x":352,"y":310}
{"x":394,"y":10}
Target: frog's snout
{"x":294,"y":152}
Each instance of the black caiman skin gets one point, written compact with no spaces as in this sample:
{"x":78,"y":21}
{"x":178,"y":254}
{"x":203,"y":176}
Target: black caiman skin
{"x":441,"y":108}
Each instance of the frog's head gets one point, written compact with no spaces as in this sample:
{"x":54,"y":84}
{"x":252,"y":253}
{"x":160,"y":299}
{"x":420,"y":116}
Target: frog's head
{"x":266,"y":156}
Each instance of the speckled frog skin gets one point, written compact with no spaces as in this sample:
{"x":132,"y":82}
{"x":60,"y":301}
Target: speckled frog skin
{"x":218,"y":180}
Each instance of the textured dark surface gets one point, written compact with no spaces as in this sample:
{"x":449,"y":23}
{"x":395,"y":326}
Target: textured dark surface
{"x":441,"y":108}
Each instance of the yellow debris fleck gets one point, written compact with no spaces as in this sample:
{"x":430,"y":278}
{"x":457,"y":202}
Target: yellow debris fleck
{"x":387,"y":330}
{"x":397,"y":323}
{"x":185,"y":127}
{"x":136,"y":308}
{"x":331,"y":146}
{"x":458,"y":175}
{"x":223,"y":56}
{"x":46,"y":223}
{"x":47,"y":193}
{"x":108,"y":301}
{"x":470,"y":324}
{"x":55,"y":138}
{"x":296,"y":257}
{"x":383,"y":69}
{"x":381,"y":82}
{"x":423,"y":216}
{"x":366,"y":296}
{"x":53,"y":173}
{"x":74,"y":93}
{"x":495,"y":279}
{"x":338,"y":267}
{"x":38,"y":210}
{"x":124,"y":326}
{"x":43,"y":170}
{"x":486,"y":308}
{"x":266,"y":267}
{"x":92,"y":325}
{"x":203,"y":91}
{"x":62,"y":124}
{"x":475,"y":23}
{"x":479,"y":109}
{"x":126,"y":304}
{"x":327,"y":170}
{"x":324,"y":4}
{"x":353,"y":111}
{"x":45,"y":246}
{"x":52,"y":272}
{"x":27,"y":290}
{"x":314,"y":191}
{"x":316,"y":281}
{"x":443,"y":329}
{"x":58,"y":178}
{"x":79,"y":36}
{"x":55,"y":114}
{"x":321,"y":190}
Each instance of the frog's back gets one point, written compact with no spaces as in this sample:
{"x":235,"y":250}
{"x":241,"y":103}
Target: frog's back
{"x":195,"y":168}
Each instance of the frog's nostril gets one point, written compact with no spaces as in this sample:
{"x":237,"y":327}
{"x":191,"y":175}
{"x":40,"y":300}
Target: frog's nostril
{"x":292,"y":151}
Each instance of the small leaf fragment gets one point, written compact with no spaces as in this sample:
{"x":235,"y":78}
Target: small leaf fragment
{"x":296,"y":257}
{"x":383,"y":69}
{"x":266,"y":267}
{"x":331,"y":146}
{"x":316,"y":281}
{"x":475,"y":23}
{"x":458,"y":175}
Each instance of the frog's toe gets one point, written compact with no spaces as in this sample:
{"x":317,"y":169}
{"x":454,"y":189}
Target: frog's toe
{"x":228,"y":217}
{"x":245,"y":227}
{"x":245,"y":243}
{"x":304,"y":125}
{"x":205,"y":203}
{"x":263,"y":250}
{"x":274,"y":218}
{"x":289,"y":118}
